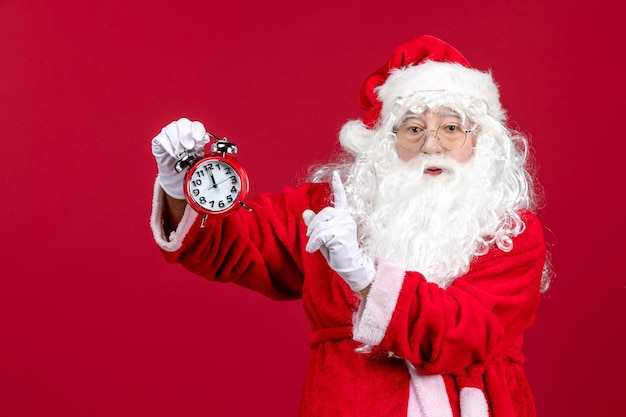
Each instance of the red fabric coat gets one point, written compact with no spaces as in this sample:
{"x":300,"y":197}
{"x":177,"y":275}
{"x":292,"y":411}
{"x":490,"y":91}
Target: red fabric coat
{"x":410,"y":348}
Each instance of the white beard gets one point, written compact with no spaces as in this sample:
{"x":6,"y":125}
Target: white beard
{"x":430,"y":224}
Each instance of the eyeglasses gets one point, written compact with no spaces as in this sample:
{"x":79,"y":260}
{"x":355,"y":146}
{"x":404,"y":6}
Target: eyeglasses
{"x":412,"y":136}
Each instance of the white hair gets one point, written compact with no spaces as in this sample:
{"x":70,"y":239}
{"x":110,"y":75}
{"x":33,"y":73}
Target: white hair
{"x":498,"y":180}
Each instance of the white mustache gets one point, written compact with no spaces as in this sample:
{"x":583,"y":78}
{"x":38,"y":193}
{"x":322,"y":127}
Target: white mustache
{"x":422,"y":162}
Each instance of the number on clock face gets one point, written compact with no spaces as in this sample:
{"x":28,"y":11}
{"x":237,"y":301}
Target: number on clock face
{"x":214,"y":185}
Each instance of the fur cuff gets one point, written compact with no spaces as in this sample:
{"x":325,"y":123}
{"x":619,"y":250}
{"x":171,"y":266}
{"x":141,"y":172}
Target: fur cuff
{"x":174,"y":241}
{"x":374,"y":314}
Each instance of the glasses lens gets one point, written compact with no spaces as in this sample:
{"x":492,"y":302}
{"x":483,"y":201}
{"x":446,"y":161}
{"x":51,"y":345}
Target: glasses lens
{"x":411,"y":136}
{"x":451,"y":136}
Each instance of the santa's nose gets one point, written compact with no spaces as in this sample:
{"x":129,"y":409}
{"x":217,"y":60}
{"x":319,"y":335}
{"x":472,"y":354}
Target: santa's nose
{"x":431,"y":144}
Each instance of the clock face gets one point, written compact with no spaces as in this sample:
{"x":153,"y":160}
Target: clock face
{"x":215,"y":185}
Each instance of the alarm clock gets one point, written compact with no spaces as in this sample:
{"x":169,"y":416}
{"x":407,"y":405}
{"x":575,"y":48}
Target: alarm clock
{"x":217,"y":183}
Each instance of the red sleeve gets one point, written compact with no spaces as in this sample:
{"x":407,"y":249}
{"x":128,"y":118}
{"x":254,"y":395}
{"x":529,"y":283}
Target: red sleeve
{"x":261,"y":249}
{"x":480,"y":317}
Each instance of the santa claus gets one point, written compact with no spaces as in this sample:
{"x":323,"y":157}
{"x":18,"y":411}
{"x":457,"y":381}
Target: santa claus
{"x":418,"y":257}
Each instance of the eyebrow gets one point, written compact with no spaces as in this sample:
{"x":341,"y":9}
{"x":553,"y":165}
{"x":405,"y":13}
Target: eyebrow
{"x":441,"y":113}
{"x":448,"y":113}
{"x":411,"y":118}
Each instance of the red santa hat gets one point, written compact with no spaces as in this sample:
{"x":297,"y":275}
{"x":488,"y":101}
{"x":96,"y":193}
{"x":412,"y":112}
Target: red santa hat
{"x":427,"y":66}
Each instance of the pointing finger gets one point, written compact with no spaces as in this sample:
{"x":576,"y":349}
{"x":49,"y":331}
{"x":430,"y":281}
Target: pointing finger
{"x":341,"y":201}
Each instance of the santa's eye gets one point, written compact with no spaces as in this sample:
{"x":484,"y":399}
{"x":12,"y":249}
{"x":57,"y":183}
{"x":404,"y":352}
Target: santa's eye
{"x":415,"y":129}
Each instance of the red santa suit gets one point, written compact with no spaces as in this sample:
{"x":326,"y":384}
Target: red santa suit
{"x":411,"y":348}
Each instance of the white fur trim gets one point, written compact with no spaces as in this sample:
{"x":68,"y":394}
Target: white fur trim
{"x":355,"y":137}
{"x":473,"y":403}
{"x":374,"y":314}
{"x":451,"y":79}
{"x":428,"y":396}
{"x":413,"y":409}
{"x":174,"y":241}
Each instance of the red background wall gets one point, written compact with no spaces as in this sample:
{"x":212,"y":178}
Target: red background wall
{"x":94,"y":323}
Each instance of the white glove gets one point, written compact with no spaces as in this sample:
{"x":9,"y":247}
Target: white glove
{"x":333,"y":232}
{"x":168,"y":147}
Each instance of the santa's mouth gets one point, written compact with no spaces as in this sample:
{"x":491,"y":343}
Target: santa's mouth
{"x":434,"y":171}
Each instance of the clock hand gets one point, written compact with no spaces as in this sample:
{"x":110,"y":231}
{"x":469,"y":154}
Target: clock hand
{"x":216,"y":185}
{"x":223,"y":181}
{"x":212,"y":177}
